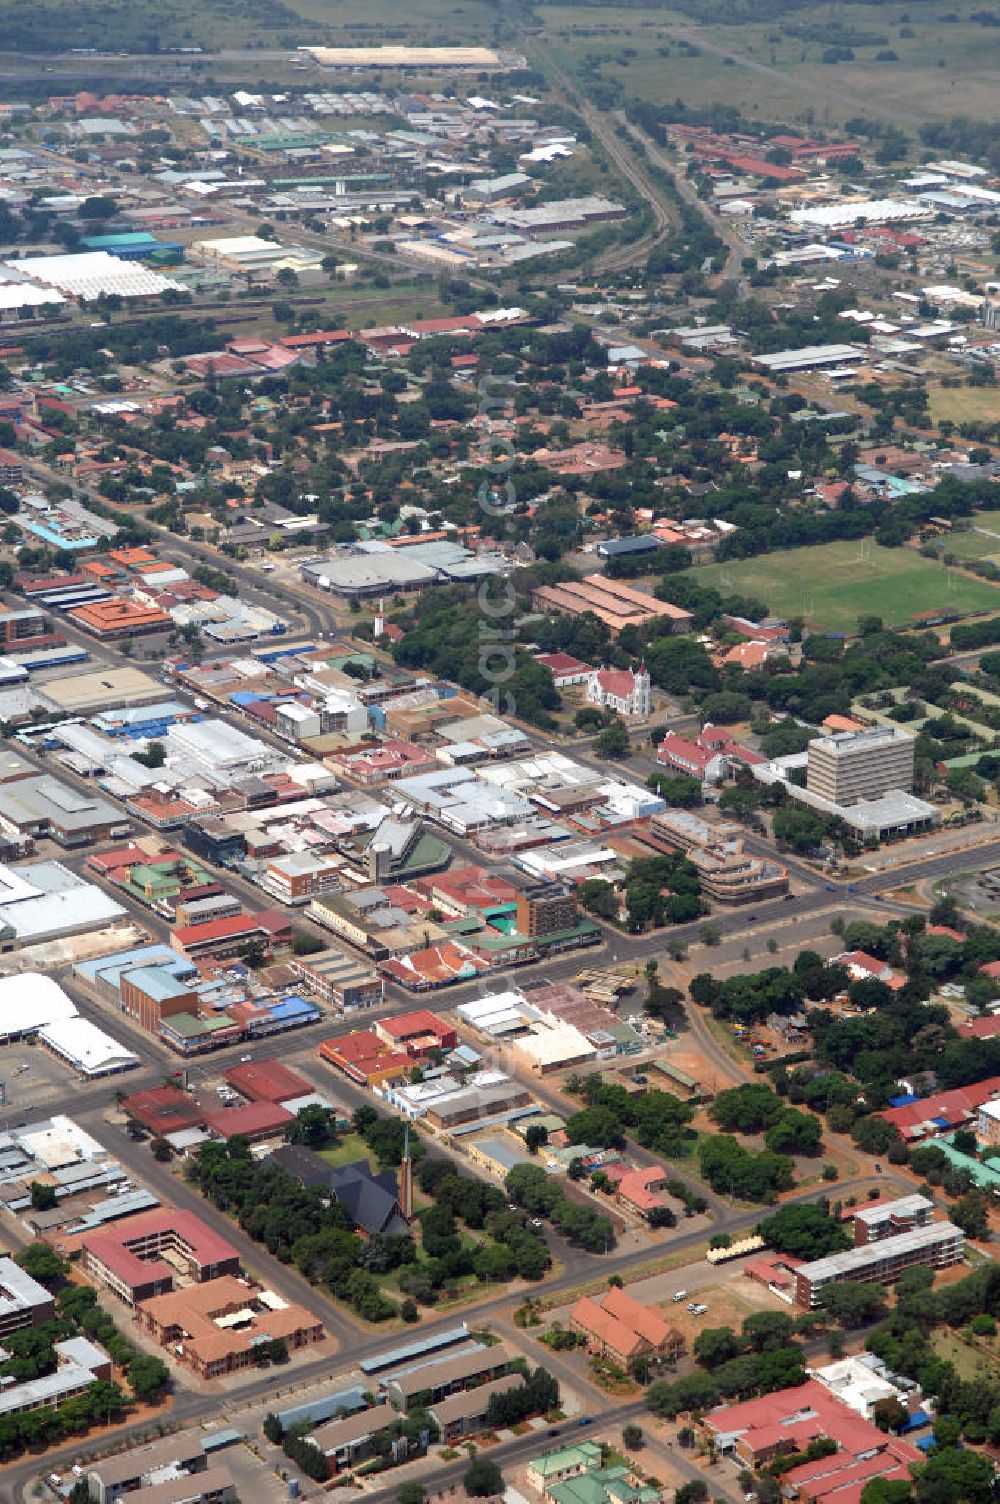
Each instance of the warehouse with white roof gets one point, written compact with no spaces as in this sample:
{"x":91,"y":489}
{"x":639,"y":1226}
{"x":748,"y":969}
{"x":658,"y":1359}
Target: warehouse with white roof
{"x":89,"y":274}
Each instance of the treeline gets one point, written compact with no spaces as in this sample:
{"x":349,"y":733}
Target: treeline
{"x":529,"y":1186}
{"x":761,"y":1360}
{"x":733,"y":1170}
{"x":657,"y":1119}
{"x":755,"y":1108}
{"x":750,"y":998}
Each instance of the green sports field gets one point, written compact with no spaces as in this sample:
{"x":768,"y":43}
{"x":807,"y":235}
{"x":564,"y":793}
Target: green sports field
{"x":980,"y":540}
{"x":835,"y":583}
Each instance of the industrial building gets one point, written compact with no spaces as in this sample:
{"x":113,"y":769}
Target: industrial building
{"x":89,"y":274}
{"x":612,"y":601}
{"x":46,"y":807}
{"x":46,"y":901}
{"x":377,"y":570}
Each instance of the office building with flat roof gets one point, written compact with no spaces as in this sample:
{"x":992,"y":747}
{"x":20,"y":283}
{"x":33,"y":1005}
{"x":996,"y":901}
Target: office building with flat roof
{"x":852,"y":766}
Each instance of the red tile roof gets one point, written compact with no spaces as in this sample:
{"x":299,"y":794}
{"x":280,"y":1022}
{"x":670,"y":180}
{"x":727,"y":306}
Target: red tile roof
{"x":793,"y":1417}
{"x":619,"y":682}
{"x":981,"y":1028}
{"x":562,"y":663}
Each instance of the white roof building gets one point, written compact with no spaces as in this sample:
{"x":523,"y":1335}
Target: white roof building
{"x":90,"y":273}
{"x":857,"y":1385}
{"x":86,"y":1047}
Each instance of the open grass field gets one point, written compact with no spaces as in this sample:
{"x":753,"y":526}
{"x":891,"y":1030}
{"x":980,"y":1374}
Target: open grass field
{"x":970,"y":1362}
{"x":221,"y":25}
{"x":965,"y":404}
{"x":350,"y":1149}
{"x":907,"y":66}
{"x":831,"y":585}
{"x":980,"y":540}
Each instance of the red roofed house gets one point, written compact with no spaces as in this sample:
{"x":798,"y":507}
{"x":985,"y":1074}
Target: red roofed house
{"x":365,"y":1058}
{"x":685,"y":756}
{"x":981,"y":1028}
{"x":565,"y":670}
{"x":943,"y":1111}
{"x":418,"y":1033}
{"x":776,"y":1425}
{"x":621,"y":690}
{"x":618,"y":1325}
{"x":777,"y":1273}
{"x":750,"y":656}
{"x":715,"y":754}
{"x":862,"y":967}
{"x":991,"y":969}
{"x":128,"y":1258}
{"x":637,"y":1189}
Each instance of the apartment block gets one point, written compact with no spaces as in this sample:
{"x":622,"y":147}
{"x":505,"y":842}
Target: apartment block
{"x":546,"y":909}
{"x":938,"y":1245}
{"x":887,"y":1219}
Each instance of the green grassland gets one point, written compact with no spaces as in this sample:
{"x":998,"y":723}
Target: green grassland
{"x":832,"y":585}
{"x":980,"y":540}
{"x":965,"y":404}
{"x":774,"y":70}
{"x":120,"y":25}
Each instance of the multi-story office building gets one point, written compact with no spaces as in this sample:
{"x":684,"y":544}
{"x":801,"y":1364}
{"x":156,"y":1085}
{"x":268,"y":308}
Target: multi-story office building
{"x":851,"y":766}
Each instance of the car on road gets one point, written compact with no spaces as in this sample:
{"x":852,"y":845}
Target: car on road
{"x":788,"y":898}
{"x":244,"y":1059}
{"x":830,"y":888}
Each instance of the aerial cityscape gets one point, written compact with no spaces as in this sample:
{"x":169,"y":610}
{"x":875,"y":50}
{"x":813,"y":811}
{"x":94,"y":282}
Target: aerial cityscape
{"x":500,"y":752}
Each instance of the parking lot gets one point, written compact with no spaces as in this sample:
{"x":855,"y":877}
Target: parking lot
{"x":36,"y":1083}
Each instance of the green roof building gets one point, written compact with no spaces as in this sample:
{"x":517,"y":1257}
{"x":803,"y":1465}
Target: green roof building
{"x":606,"y":1485}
